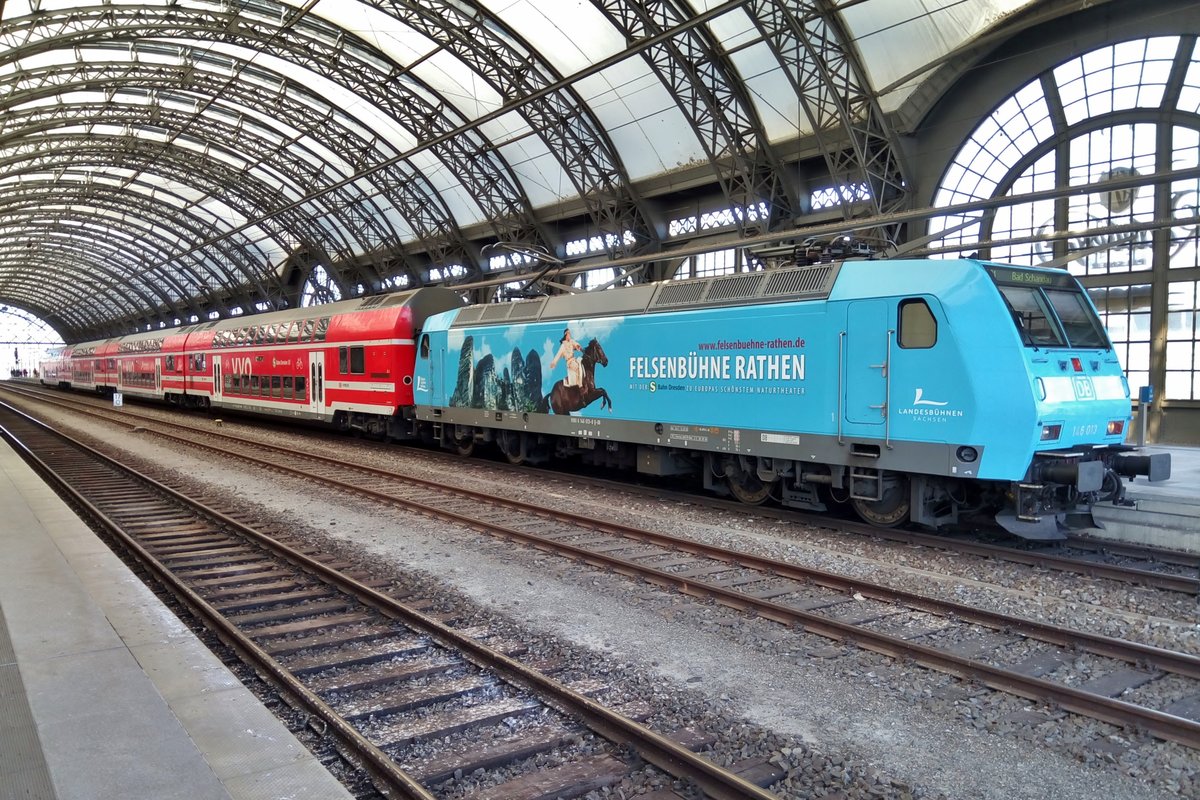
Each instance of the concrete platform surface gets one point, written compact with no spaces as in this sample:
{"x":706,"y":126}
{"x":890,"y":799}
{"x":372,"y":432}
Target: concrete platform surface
{"x":104,"y":693}
{"x":1163,"y":514}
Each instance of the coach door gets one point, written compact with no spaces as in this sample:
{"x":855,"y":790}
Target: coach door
{"x":866,"y":349}
{"x":217,"y":386}
{"x":316,"y":381}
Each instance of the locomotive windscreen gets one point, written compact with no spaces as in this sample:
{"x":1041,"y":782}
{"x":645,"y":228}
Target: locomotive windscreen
{"x":1049,"y":309}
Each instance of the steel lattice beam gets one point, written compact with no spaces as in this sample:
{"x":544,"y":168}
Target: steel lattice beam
{"x":561,"y":118}
{"x":708,"y":92}
{"x":292,"y":105}
{"x":830,"y":81}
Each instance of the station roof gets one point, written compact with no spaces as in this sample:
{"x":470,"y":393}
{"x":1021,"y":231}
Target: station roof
{"x":173,"y":161}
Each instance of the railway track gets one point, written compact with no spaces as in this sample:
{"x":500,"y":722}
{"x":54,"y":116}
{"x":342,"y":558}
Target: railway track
{"x":411,"y":700}
{"x":1140,"y":565}
{"x":1148,"y":688}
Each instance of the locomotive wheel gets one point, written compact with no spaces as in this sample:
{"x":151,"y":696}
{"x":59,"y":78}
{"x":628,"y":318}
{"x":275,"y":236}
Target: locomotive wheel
{"x":510,"y":445}
{"x":464,"y":441}
{"x":746,"y":486}
{"x":890,"y":511}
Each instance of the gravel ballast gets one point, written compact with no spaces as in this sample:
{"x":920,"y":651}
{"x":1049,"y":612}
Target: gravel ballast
{"x":839,"y":718}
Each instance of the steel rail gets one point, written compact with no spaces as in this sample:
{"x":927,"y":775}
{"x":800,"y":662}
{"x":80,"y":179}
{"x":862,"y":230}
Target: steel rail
{"x":670,"y":756}
{"x":1160,"y":724}
{"x":1126,"y":574}
{"x":389,"y":778}
{"x":1167,"y":660}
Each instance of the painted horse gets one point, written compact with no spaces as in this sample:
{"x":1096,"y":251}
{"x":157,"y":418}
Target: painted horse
{"x":565,"y":399}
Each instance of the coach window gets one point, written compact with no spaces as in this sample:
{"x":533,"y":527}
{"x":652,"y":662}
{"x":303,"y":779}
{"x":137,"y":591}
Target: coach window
{"x":918,"y":328}
{"x":343,"y":360}
{"x":307,"y":332}
{"x":293,"y":332}
{"x":254,"y":384}
{"x":276,"y":386}
{"x":358,"y":361}
{"x":287,"y":387}
{"x":170,"y":363}
{"x":301,"y":388}
{"x":322,"y":328}
{"x":425,"y":345}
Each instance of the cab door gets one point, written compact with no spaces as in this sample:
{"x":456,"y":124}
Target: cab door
{"x":435,"y":355}
{"x":868,"y":345}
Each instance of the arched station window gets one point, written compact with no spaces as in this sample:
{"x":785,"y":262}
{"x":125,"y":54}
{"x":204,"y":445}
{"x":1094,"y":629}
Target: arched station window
{"x":1114,"y":115}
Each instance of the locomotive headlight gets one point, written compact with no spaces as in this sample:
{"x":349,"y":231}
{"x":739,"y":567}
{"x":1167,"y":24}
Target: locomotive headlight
{"x":1115,"y":427}
{"x":967,"y":454}
{"x":1050,"y":433}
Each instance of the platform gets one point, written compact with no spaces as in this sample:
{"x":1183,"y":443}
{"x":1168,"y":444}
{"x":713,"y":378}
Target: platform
{"x":104,"y":693}
{"x":1163,"y":514}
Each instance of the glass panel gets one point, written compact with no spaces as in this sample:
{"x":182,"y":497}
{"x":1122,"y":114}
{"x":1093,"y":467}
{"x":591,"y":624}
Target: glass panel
{"x":1031,"y":317}
{"x":918,"y":328}
{"x":1078,"y":320}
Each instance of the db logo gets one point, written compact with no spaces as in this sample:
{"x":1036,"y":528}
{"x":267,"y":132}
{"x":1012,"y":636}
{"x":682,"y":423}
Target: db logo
{"x":1083,"y":388}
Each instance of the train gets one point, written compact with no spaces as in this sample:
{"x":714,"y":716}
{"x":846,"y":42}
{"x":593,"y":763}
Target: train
{"x":930,"y":392}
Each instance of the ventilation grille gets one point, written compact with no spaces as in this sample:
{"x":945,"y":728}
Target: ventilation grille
{"x":802,"y":281}
{"x":674,"y":294}
{"x":735,"y":288}
{"x":372,"y":302}
{"x":398,"y":299}
{"x":529,"y":309}
{"x":469,"y":314}
{"x":495,"y":312}
{"x":770,"y":286}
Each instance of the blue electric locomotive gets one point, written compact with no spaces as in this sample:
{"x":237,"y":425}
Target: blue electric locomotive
{"x":915,"y":390}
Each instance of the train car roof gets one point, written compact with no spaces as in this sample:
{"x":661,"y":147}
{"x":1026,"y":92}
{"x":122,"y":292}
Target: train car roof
{"x":743,"y":288}
{"x":841,"y":280}
{"x":421,"y":302}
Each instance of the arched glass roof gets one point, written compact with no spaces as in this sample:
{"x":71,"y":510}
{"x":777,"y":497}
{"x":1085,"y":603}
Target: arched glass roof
{"x":179,"y":159}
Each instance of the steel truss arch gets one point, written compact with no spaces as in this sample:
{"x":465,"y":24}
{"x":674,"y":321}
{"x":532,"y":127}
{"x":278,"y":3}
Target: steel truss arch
{"x":323,"y":50}
{"x":295,"y":107}
{"x":68,"y":320}
{"x":79,"y":286}
{"x":246,"y":197}
{"x":122,"y":265}
{"x":859,"y":145}
{"x":275,"y":162}
{"x":561,"y":118}
{"x":706,"y":89}
{"x":125,"y":204}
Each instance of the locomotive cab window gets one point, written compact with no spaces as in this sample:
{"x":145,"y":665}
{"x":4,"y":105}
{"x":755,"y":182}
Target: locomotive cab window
{"x":425,"y":345}
{"x":917,"y":325}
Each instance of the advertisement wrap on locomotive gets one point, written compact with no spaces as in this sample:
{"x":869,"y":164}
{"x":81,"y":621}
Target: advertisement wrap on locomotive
{"x":919,"y":391}
{"x":915,"y":390}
